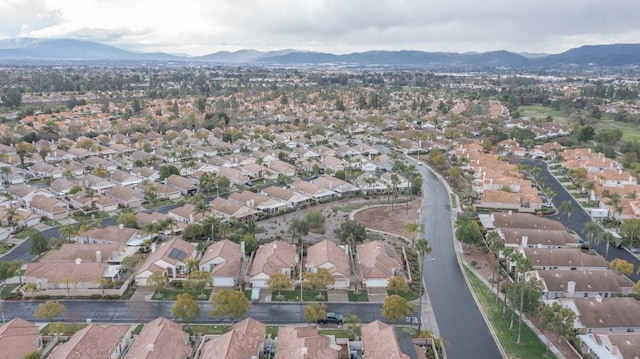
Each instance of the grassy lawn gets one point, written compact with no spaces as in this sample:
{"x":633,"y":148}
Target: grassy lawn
{"x":25,"y":233}
{"x":4,"y":291}
{"x":294,"y":296}
{"x":209,"y":329}
{"x":530,"y":346}
{"x":172,"y":294}
{"x":540,"y":112}
{"x":137,"y":329}
{"x":66,"y":329}
{"x":629,"y":129}
{"x":341,"y":333}
{"x":409,"y":296}
{"x":363,"y":296}
{"x":6,"y":247}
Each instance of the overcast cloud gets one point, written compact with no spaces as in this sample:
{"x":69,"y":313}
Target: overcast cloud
{"x":199,"y":27}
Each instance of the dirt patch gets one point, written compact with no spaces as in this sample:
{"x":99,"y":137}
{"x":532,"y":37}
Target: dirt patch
{"x":390,"y":219}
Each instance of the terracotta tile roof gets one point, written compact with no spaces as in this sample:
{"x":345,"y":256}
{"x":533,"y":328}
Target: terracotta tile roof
{"x":586,"y":281}
{"x":548,"y":237}
{"x":95,"y":341}
{"x":524,"y":220}
{"x":545,"y":257}
{"x":272,"y":257}
{"x":242,"y":341}
{"x":160,"y":339}
{"x":18,"y":338}
{"x":291,"y":340}
{"x":378,"y":260}
{"x":231,"y":253}
{"x":608,"y":312}
{"x":173,"y":252}
{"x":329,"y":255}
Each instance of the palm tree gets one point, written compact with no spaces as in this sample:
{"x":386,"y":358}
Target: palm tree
{"x":68,"y":230}
{"x":566,"y":208}
{"x":591,"y":230}
{"x":102,"y":282}
{"x":422,"y":247}
{"x":496,"y":244}
{"x":524,"y":266}
{"x":508,"y":254}
{"x":413,"y":229}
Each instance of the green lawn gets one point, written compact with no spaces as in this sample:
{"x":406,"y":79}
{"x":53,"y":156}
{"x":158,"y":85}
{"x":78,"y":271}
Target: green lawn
{"x":409,"y":296}
{"x":4,"y":291}
{"x":66,"y":329}
{"x":25,"y":233}
{"x":530,"y":346}
{"x":294,"y":296}
{"x":540,"y":112}
{"x":6,"y":247}
{"x":629,"y":130}
{"x":172,"y":294}
{"x":362,"y":296}
{"x":209,"y":329}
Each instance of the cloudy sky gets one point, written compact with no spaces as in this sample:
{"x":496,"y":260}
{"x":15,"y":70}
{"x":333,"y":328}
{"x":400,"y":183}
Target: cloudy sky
{"x":198,"y":27}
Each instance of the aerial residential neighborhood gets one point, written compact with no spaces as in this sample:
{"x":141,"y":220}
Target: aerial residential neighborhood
{"x":259,"y":212}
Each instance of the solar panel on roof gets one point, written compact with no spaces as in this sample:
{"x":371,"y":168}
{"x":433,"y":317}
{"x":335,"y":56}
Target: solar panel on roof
{"x":177,"y":254}
{"x":389,"y":251}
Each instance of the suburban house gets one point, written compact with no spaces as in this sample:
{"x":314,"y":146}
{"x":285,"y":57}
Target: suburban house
{"x":612,"y":345}
{"x":170,"y":258}
{"x":126,"y":197}
{"x":25,"y":193}
{"x":384,"y":341}
{"x":82,"y":200}
{"x":61,"y":186}
{"x":378,"y":262}
{"x":163,"y":191}
{"x":122,"y":178}
{"x":44,"y":170}
{"x":518,"y":220}
{"x":332,"y":257}
{"x":223,"y":260}
{"x":313,"y":191}
{"x":228,"y":210}
{"x":186,"y":214}
{"x":160,"y":338}
{"x":235,"y":176}
{"x":105,"y":204}
{"x":109,"y":253}
{"x":18,"y":338}
{"x":291,"y":340}
{"x":583,"y":284}
{"x":112,"y":234}
{"x":66,"y":275}
{"x":244,"y":340}
{"x":563,"y":259}
{"x":536,"y":238}
{"x":343,"y":188}
{"x":98,"y":184}
{"x":278,"y":167}
{"x":605,"y":315}
{"x":258,"y":202}
{"x":146,"y":173}
{"x":271,"y":258}
{"x":183,"y":184}
{"x":50,"y":208}
{"x":21,"y":219}
{"x":291,"y":198}
{"x":99,"y":341}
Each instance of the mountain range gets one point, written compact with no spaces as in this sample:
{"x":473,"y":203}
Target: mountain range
{"x":79,"y":50}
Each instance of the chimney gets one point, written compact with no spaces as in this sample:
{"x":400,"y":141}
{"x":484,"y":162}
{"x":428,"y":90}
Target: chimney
{"x":525,"y":241}
{"x":121,"y":226}
{"x":599,"y":298}
{"x":99,"y":256}
{"x":78,"y":261}
{"x":571,"y":289}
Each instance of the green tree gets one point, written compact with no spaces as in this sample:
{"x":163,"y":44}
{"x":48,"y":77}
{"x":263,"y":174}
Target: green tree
{"x":12,"y":97}
{"x":68,"y":283}
{"x":630,"y":229}
{"x":298,"y":228}
{"x":397,"y":284}
{"x":279,"y":281}
{"x":67,"y":231}
{"x":192,"y":232}
{"x":422,"y":247}
{"x":351,"y":231}
{"x":39,"y":244}
{"x":558,"y":319}
{"x":413,"y":229}
{"x":230,"y":304}
{"x":467,"y":229}
{"x":395,"y":308}
{"x":318,"y":280}
{"x":566,"y":208}
{"x":157,"y":280}
{"x":49,"y":310}
{"x":586,"y":134}
{"x":185,"y":309}
{"x":314,"y":217}
{"x":591,"y":231}
{"x":314,"y":312}
{"x":223,"y":183}
{"x":127,"y":219}
{"x":9,"y":269}
{"x":167,"y":170}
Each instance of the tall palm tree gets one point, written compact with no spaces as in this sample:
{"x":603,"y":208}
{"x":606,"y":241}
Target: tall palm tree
{"x":422,"y":247}
{"x":413,"y":229}
{"x":495,"y":244}
{"x":591,"y":231}
{"x":524,"y":266}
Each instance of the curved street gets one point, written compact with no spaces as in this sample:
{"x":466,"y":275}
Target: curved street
{"x":460,"y":322}
{"x":579,"y":217}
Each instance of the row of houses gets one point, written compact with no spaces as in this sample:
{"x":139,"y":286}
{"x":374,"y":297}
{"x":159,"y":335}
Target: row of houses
{"x":163,"y":338}
{"x":78,"y":268}
{"x":581,"y":281}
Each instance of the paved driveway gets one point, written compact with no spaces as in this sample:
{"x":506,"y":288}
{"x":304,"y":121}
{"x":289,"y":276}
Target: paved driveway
{"x":377,"y":295}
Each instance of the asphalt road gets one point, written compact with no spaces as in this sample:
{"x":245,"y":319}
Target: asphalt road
{"x":579,"y":217}
{"x":460,"y":322}
{"x":117,"y":311}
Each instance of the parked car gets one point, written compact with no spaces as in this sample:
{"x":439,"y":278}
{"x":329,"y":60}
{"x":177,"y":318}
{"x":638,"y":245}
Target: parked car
{"x":332,"y":318}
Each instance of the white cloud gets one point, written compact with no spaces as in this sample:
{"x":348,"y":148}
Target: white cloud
{"x":199,"y":27}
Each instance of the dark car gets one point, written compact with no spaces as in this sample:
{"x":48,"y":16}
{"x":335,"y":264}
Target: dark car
{"x":332,"y":318}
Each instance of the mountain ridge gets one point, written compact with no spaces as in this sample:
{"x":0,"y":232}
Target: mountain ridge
{"x":81,"y":50}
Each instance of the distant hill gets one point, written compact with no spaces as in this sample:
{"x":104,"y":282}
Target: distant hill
{"x":78,"y":50}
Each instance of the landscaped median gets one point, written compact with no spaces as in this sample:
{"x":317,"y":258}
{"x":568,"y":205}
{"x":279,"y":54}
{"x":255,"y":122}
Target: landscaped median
{"x":530,"y":345}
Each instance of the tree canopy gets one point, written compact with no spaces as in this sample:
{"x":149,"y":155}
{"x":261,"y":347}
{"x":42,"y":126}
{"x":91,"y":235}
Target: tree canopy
{"x":185,"y":308}
{"x":395,"y":308}
{"x":49,"y":310}
{"x":230,"y":304}
{"x":351,"y":232}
